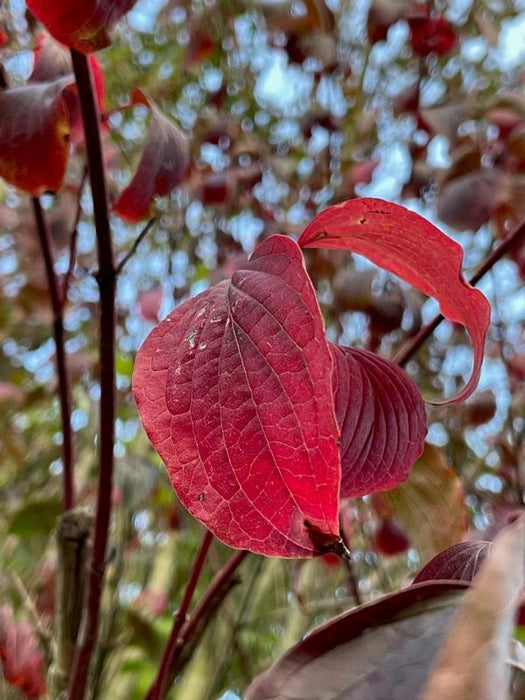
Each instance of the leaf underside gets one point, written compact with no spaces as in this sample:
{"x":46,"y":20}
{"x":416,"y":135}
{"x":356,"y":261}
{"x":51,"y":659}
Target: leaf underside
{"x":382,"y":420}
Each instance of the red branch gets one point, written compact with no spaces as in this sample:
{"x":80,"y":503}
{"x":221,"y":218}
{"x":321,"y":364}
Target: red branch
{"x":158,"y":688}
{"x":413,"y":345}
{"x":106,"y":280}
{"x":46,"y":243}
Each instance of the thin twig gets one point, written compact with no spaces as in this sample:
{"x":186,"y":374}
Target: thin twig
{"x":46,"y":244}
{"x":353,"y":578}
{"x":404,"y":355}
{"x":73,"y":242}
{"x":222,"y":583}
{"x":106,"y":280}
{"x":158,"y":688}
{"x":135,"y":245}
{"x":516,"y":442}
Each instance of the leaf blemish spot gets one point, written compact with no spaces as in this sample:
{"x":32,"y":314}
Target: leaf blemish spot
{"x":202,"y":497}
{"x":191,"y":339}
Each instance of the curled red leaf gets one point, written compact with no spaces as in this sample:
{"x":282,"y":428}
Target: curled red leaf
{"x":162,"y":167}
{"x":409,"y":246}
{"x":34,"y":135}
{"x":84,"y":26}
{"x":234,"y":389}
{"x":382,"y":420}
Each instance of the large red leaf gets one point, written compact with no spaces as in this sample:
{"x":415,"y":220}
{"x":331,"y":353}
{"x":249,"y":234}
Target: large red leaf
{"x":34,"y":135}
{"x":234,"y":389}
{"x":382,"y":420}
{"x":162,"y":167}
{"x":409,"y":246}
{"x":85,"y":26}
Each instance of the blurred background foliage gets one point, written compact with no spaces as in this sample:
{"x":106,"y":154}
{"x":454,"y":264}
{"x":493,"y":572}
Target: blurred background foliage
{"x":289,"y":106}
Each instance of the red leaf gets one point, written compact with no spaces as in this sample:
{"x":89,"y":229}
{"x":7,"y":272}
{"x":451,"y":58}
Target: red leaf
{"x":431,"y":35}
{"x":34,"y":135}
{"x":149,"y":304}
{"x":409,"y":246}
{"x":382,"y":421}
{"x":391,"y":540}
{"x":84,"y":26}
{"x":52,"y":61}
{"x":21,"y":659}
{"x":461,"y":562}
{"x":235,"y":391}
{"x":162,"y":167}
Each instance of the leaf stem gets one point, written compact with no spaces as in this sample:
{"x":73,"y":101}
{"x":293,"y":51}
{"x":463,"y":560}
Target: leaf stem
{"x":135,"y":245}
{"x":46,"y":244}
{"x":184,"y":631}
{"x":413,"y":345}
{"x":106,"y":281}
{"x":158,"y":687}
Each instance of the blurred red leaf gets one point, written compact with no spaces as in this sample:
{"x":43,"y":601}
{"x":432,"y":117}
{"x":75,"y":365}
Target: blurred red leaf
{"x":52,"y":61}
{"x":409,"y":246}
{"x":200,"y":47}
{"x":382,"y":420}
{"x":469,"y":201}
{"x":84,"y":26}
{"x":163,"y":165}
{"x":34,"y":135}
{"x":149,"y":304}
{"x":235,"y":391}
{"x":431,"y":35}
{"x":391,"y":540}
{"x":461,"y":562}
{"x":21,"y":659}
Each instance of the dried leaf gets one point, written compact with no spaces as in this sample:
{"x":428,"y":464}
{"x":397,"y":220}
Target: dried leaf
{"x":430,"y":504}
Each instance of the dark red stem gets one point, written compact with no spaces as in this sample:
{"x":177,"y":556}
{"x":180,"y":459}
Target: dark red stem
{"x":158,"y":688}
{"x":404,"y":355}
{"x":46,"y":243}
{"x":106,"y":281}
{"x":220,"y":584}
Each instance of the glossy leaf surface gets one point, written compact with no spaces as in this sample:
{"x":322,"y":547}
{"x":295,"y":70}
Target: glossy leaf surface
{"x":380,"y":651}
{"x":34,"y":135}
{"x":162,"y":167}
{"x":85,"y":26}
{"x":234,"y":389}
{"x":382,"y":420}
{"x":409,"y":246}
